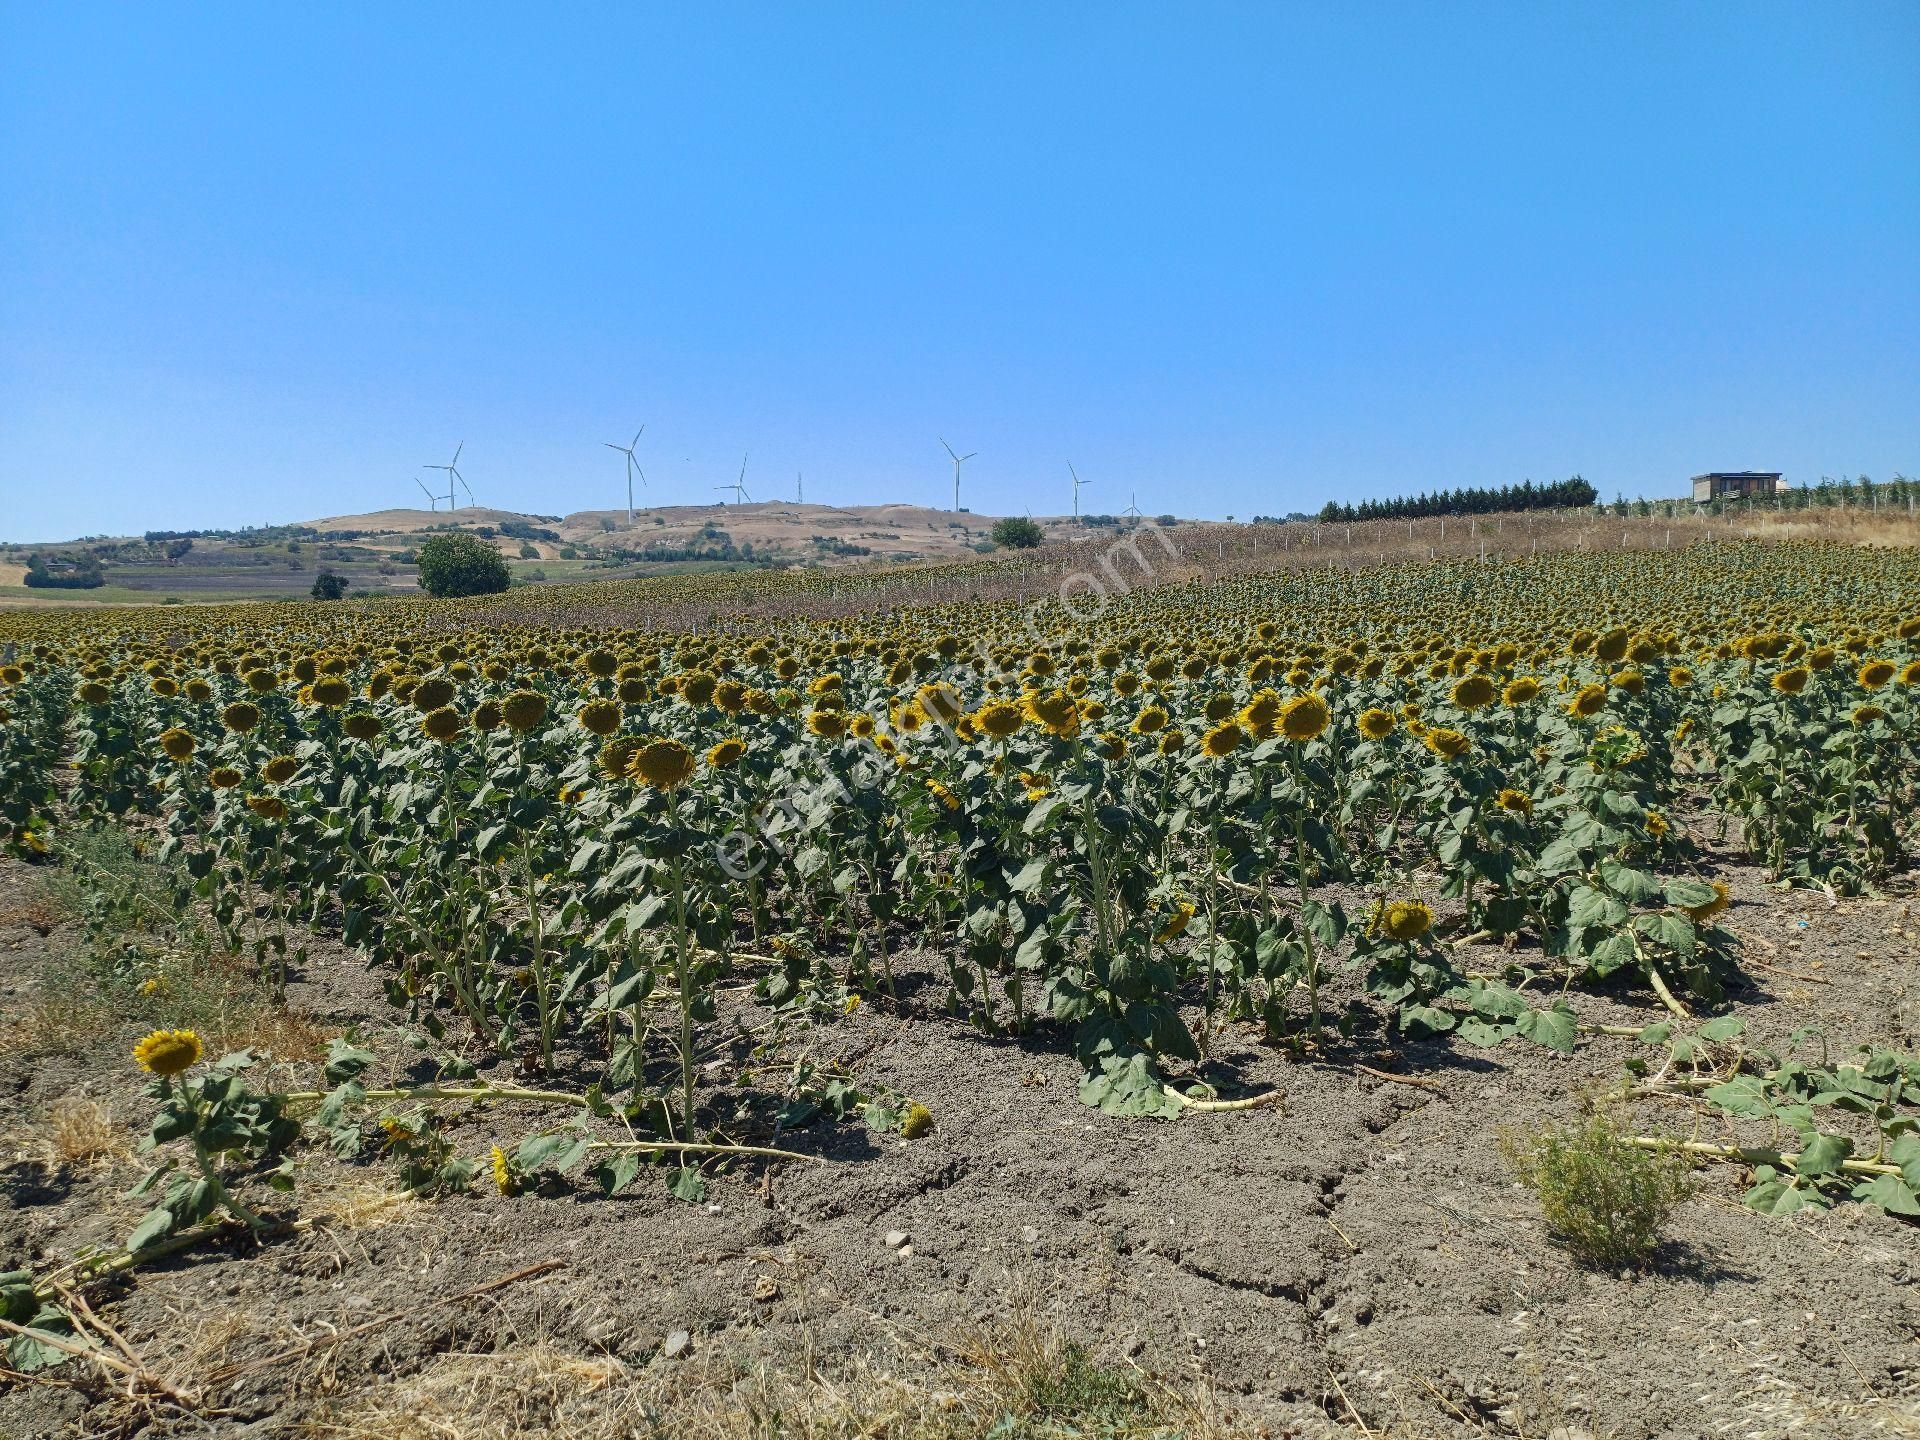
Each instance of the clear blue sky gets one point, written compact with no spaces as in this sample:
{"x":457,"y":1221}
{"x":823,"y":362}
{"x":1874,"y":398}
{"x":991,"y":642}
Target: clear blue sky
{"x":260,"y":263}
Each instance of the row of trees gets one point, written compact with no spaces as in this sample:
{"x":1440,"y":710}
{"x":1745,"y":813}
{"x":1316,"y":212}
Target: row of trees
{"x":1571,"y":494}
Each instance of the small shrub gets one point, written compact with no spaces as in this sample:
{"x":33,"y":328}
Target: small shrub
{"x":1016,"y":532}
{"x":457,"y":564}
{"x":1605,"y":1199}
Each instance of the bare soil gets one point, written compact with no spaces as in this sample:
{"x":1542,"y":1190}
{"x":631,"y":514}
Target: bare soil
{"x":1357,"y":1262}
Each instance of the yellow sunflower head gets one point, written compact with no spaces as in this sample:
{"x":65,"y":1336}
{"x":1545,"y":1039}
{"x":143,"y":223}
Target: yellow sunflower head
{"x":1375,"y":723}
{"x":1875,"y":673}
{"x":1514,"y":802}
{"x":168,"y":1052}
{"x":177,"y":744}
{"x":1223,"y":739}
{"x":998,"y":718}
{"x":1177,"y":922}
{"x":1303,"y":717}
{"x":1447,"y":744}
{"x":1405,"y":920}
{"x":1790,"y":681}
{"x":726,"y":753}
{"x":662,"y":764}
{"x":1722,"y":898}
{"x":1589,"y":700}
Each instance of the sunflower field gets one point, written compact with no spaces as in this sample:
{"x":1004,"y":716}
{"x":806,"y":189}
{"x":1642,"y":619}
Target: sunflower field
{"x":559,"y":829}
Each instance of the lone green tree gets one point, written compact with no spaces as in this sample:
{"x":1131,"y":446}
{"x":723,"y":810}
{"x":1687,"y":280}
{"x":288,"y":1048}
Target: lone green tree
{"x":461,"y":565}
{"x":328,"y":586}
{"x":1016,"y":532}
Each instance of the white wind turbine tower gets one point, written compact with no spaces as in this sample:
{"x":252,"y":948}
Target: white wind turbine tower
{"x":1132,"y":511}
{"x":632,"y":465}
{"x":738,"y":487}
{"x":1077,"y":483}
{"x":433,"y":500}
{"x":453,"y":474}
{"x":958,"y":461}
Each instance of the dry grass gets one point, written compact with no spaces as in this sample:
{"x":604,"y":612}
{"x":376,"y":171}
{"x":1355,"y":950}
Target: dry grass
{"x":1016,"y":1381}
{"x":75,"y":1133}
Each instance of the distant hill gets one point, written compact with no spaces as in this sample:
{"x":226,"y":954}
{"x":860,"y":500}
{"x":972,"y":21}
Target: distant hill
{"x":373,"y":552}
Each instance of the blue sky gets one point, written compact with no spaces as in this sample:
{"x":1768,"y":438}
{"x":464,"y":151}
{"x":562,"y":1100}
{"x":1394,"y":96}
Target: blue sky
{"x":261,"y":263}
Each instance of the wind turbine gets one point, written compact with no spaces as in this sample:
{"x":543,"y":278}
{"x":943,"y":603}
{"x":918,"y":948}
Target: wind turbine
{"x":799,"y":488}
{"x":453,"y":474}
{"x":632,"y":465}
{"x":1132,"y":511}
{"x":1077,"y":483}
{"x":738,"y":487}
{"x":433,"y":500}
{"x":958,"y":460}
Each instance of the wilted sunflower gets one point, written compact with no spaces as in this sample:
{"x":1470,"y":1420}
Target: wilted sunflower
{"x":267,"y":807}
{"x":487,"y":717}
{"x":167,"y":1052}
{"x":280,"y":769}
{"x":1472,"y":692}
{"x":616,"y":756}
{"x":1657,"y":825}
{"x":177,"y":744}
{"x":523,"y":710}
{"x":262,"y":681}
{"x":726,"y":753}
{"x":600,"y":717}
{"x":662,"y":764}
{"x":1172,"y":741}
{"x":330,"y":691}
{"x":1680,"y":677}
{"x":1722,"y":898}
{"x":1182,"y":916}
{"x":1520,"y":690}
{"x":1589,"y":700}
{"x":1375,"y":723}
{"x":444,"y":724}
{"x":198,"y":690}
{"x":1631,"y":681}
{"x":436,"y":692}
{"x":1447,"y":744}
{"x":362,"y":726}
{"x":1867,"y":714}
{"x":1405,"y":919}
{"x":1303,"y":717}
{"x":1791,"y":681}
{"x":241,"y":716}
{"x":224,"y":777}
{"x":940,"y":702}
{"x":1514,"y":802}
{"x":1875,"y":673}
